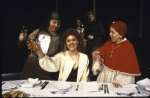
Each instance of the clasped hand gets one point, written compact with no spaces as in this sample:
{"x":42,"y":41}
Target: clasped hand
{"x":90,"y":37}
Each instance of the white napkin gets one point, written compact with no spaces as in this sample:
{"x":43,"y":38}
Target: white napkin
{"x":90,"y":86}
{"x":30,"y":82}
{"x":145,"y":83}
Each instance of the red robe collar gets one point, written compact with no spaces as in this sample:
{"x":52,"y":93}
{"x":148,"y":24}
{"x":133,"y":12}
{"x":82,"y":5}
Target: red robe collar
{"x":123,"y":59}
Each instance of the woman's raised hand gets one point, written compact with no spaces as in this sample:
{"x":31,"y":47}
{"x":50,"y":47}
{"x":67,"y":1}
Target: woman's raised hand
{"x":31,"y":44}
{"x":95,"y":54}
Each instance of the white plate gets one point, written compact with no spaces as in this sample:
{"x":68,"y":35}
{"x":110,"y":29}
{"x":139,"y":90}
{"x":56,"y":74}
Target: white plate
{"x":62,"y":85}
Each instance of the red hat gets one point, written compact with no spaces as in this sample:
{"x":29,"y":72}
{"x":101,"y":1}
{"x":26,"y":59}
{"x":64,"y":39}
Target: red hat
{"x":120,"y":27}
{"x":89,"y":13}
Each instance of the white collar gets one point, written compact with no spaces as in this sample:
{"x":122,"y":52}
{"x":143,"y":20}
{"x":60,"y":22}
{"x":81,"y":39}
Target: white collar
{"x":123,"y":40}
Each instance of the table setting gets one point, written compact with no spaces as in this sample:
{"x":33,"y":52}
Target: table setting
{"x":48,"y":88}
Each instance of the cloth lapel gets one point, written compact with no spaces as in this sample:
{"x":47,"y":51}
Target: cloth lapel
{"x":81,"y":67}
{"x":68,"y":67}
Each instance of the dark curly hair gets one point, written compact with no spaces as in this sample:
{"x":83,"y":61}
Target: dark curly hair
{"x":69,"y":31}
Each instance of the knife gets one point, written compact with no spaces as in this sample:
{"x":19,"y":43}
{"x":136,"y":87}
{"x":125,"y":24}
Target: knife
{"x":107,"y":89}
{"x":44,"y":84}
{"x":104,"y":89}
{"x":137,"y":89}
{"x":77,"y":87}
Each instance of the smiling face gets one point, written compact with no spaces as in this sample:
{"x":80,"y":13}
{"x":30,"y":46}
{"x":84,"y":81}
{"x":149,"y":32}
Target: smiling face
{"x":78,"y":22}
{"x":91,"y":17}
{"x":72,"y":43}
{"x":54,"y":25}
{"x":114,"y":35}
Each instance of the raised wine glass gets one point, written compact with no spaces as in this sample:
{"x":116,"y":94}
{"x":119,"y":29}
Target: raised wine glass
{"x":31,"y":54}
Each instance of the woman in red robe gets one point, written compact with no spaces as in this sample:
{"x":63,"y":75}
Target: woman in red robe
{"x":116,"y":59}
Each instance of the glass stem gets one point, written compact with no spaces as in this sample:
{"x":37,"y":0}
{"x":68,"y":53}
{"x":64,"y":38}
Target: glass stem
{"x":31,"y":51}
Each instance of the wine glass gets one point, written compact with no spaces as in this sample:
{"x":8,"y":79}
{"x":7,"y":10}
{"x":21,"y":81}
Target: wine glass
{"x":37,"y":41}
{"x":31,"y":54}
{"x":97,"y":52}
{"x":24,"y":30}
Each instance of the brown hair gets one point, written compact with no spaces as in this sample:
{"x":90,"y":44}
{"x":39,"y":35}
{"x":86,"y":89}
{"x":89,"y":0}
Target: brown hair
{"x":69,"y":31}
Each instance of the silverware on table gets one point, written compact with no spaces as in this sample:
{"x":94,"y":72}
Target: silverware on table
{"x":104,"y":89}
{"x":107,"y":89}
{"x":11,"y":89}
{"x":61,"y":92}
{"x":77,"y":87}
{"x":44,"y":84}
{"x":3,"y":83}
{"x":129,"y":94}
{"x":138,"y":90}
{"x":100,"y":88}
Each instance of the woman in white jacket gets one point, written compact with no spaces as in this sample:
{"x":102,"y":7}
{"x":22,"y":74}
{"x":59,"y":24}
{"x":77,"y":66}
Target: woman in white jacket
{"x":71,"y":64}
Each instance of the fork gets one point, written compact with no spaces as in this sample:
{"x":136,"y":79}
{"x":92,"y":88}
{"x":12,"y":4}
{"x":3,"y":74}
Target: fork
{"x":101,"y":88}
{"x":137,"y":89}
{"x":11,"y":89}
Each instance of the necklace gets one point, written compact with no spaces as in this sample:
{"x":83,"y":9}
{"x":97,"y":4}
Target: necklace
{"x":112,"y":52}
{"x":76,"y":59}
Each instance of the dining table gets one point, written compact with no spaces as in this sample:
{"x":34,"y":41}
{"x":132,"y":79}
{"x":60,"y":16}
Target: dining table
{"x":50,"y":88}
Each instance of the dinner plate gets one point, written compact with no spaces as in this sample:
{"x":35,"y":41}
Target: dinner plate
{"x":62,"y":85}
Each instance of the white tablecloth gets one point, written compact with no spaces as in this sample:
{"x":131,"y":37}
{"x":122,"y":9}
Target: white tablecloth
{"x":37,"y":92}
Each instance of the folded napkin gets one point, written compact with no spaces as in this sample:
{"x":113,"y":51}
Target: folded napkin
{"x":144,"y":83}
{"x":90,"y":86}
{"x":30,"y":82}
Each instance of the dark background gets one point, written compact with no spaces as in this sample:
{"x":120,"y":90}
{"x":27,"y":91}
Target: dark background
{"x":31,"y":13}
